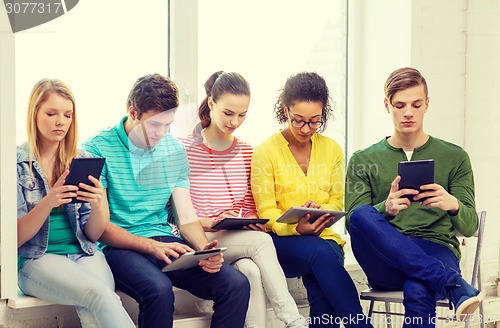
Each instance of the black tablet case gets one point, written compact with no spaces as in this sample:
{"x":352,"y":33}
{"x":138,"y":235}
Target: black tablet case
{"x":80,"y":169}
{"x":415,"y":174}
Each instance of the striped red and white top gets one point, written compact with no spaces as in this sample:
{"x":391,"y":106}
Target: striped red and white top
{"x":220,"y":180}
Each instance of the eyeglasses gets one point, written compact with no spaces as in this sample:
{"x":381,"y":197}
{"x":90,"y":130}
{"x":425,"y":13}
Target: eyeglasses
{"x":300,"y":123}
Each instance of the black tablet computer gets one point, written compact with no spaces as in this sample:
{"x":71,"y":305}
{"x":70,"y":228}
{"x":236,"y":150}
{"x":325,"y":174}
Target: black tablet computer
{"x":294,"y":214}
{"x":415,"y":174}
{"x":237,"y":223}
{"x":80,"y":169}
{"x":191,"y":259}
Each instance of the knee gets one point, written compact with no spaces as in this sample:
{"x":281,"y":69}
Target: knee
{"x":238,"y":284}
{"x":359,"y":218}
{"x":158,"y":290}
{"x":99,"y":297}
{"x":264,"y":238}
{"x":250,"y":270}
{"x":260,"y":241}
{"x":334,"y":260}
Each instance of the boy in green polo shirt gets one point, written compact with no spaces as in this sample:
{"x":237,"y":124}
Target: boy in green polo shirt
{"x":404,"y":245}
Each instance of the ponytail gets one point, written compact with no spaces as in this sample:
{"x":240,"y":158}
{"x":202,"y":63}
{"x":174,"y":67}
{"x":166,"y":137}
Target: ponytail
{"x":218,"y":84}
{"x":204,"y":110}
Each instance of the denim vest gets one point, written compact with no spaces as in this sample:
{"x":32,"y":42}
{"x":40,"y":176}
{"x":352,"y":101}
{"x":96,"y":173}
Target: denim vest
{"x":31,"y":188}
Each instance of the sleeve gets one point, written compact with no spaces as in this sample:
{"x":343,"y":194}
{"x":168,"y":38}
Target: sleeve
{"x":22,"y":207}
{"x":358,"y":188}
{"x":92,"y":148}
{"x":84,"y":210}
{"x":462,"y":187}
{"x":183,"y":179}
{"x":249,"y":209}
{"x":263,"y":190}
{"x":336,"y":200}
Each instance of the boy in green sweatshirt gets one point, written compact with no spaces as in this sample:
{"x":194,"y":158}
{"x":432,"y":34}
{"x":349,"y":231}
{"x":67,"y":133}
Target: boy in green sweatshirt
{"x":404,"y":245}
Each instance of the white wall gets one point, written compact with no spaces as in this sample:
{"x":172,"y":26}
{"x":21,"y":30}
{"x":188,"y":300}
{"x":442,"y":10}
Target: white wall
{"x":379,"y":42}
{"x":482,"y":100}
{"x":456,"y":46}
{"x":99,"y":48}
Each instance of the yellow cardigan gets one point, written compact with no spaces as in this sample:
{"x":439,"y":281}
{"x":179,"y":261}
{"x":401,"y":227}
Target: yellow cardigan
{"x":278,"y":182}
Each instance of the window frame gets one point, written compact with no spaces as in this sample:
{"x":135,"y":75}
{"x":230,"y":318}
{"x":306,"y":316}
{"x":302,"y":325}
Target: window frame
{"x":8,"y":174}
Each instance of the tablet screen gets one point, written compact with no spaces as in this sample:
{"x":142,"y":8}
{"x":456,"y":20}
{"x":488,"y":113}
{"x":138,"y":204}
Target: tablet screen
{"x":80,"y":169}
{"x":415,"y":174}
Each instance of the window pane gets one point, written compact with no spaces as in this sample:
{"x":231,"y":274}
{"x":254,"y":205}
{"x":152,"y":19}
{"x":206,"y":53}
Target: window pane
{"x":98,"y":52}
{"x":267,"y":41}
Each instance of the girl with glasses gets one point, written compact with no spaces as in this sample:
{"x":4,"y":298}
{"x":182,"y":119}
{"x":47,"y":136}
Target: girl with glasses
{"x":300,"y":167}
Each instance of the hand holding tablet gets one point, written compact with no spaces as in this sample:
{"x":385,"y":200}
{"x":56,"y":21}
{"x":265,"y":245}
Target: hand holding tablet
{"x":294,"y":214}
{"x":415,"y":174}
{"x":191,"y":259}
{"x":79,"y":171}
{"x":237,"y":223}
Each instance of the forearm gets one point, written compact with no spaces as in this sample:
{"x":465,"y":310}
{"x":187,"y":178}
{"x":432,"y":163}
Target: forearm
{"x":336,"y":203}
{"x":336,"y":177}
{"x":97,"y":222}
{"x":118,"y":237}
{"x":194,"y":234}
{"x":466,"y":221}
{"x":29,"y":225}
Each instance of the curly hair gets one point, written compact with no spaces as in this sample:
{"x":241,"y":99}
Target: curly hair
{"x":304,"y":86}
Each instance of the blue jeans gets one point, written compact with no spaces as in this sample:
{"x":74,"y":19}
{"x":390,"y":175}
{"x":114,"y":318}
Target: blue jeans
{"x":393,"y":261}
{"x":139,"y":276}
{"x":76,"y":279}
{"x":331,"y":292}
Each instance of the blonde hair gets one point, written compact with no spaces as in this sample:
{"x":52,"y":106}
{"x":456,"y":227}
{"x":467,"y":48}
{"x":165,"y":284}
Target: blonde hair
{"x":67,"y":147}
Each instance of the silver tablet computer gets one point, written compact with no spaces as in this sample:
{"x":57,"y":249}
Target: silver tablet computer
{"x":191,"y":259}
{"x":294,"y":214}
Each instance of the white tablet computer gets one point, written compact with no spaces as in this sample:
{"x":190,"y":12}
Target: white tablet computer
{"x":294,"y":214}
{"x":191,"y":259}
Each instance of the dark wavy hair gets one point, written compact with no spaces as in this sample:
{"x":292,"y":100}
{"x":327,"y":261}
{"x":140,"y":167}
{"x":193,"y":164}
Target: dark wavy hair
{"x":218,"y":84}
{"x":304,"y":86}
{"x":153,"y":92}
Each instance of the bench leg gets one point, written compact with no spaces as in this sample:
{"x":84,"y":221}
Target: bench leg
{"x":387,"y":315}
